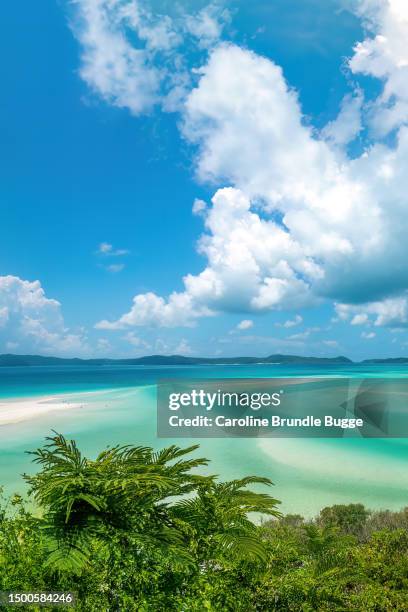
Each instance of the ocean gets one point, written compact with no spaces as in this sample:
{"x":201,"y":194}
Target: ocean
{"x":117,"y":405}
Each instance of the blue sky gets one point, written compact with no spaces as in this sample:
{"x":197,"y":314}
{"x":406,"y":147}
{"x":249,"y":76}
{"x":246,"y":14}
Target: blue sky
{"x":92,"y":154}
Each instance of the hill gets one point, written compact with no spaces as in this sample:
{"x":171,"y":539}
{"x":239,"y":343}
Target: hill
{"x":40,"y":360}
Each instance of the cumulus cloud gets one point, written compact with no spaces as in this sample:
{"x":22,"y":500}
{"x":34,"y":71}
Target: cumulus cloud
{"x":30,"y":321}
{"x":149,"y":309}
{"x":119,"y":72}
{"x":130,"y":55}
{"x":252,"y":266}
{"x":390,"y":312}
{"x":249,"y":128}
{"x":348,"y":124}
{"x":384,"y":55}
{"x":294,"y":219}
{"x":344,"y":219}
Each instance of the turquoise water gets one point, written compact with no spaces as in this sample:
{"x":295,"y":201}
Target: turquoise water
{"x":44,"y":380}
{"x":308,"y":474}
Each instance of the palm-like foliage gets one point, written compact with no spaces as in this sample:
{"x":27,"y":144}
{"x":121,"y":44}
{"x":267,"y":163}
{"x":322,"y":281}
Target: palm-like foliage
{"x":120,"y":496}
{"x":218,"y":513}
{"x":145,"y":505}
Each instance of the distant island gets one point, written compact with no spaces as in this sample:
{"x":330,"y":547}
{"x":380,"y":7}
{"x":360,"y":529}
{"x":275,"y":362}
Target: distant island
{"x":41,"y":360}
{"x":389,"y":360}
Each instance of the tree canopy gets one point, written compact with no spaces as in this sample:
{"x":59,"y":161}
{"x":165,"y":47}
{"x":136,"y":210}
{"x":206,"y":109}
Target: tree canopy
{"x":138,"y":529}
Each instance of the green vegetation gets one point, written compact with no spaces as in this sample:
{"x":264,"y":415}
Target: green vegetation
{"x":140,"y":530}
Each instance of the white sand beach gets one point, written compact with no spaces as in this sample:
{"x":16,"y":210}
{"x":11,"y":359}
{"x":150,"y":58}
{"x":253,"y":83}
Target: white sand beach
{"x":23,"y":409}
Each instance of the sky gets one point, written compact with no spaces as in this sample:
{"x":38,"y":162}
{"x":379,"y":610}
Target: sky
{"x":204,"y":178}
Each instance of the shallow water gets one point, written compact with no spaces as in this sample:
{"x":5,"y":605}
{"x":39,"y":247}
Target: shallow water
{"x":308,"y":474}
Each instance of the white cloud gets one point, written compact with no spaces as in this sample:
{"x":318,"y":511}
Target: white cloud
{"x":248,"y":125}
{"x":297,"y":320}
{"x":384,"y":55}
{"x":199,"y":207}
{"x":151,"y":310}
{"x":130,"y":55}
{"x":245,"y":324}
{"x":348,"y":123}
{"x":360,"y":319}
{"x":252,"y":266}
{"x":33,"y":322}
{"x":299,"y":221}
{"x":300,"y":336}
{"x":368,"y":335}
{"x":207,"y":25}
{"x":250,"y":132}
{"x":122,"y":74}
{"x":390,"y":312}
{"x":136,"y":341}
{"x":4,"y":316}
{"x":242,"y":97}
{"x":106,"y":249}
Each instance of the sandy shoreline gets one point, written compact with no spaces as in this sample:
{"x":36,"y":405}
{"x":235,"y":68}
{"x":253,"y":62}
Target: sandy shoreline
{"x":23,"y":409}
{"x":19,"y":409}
